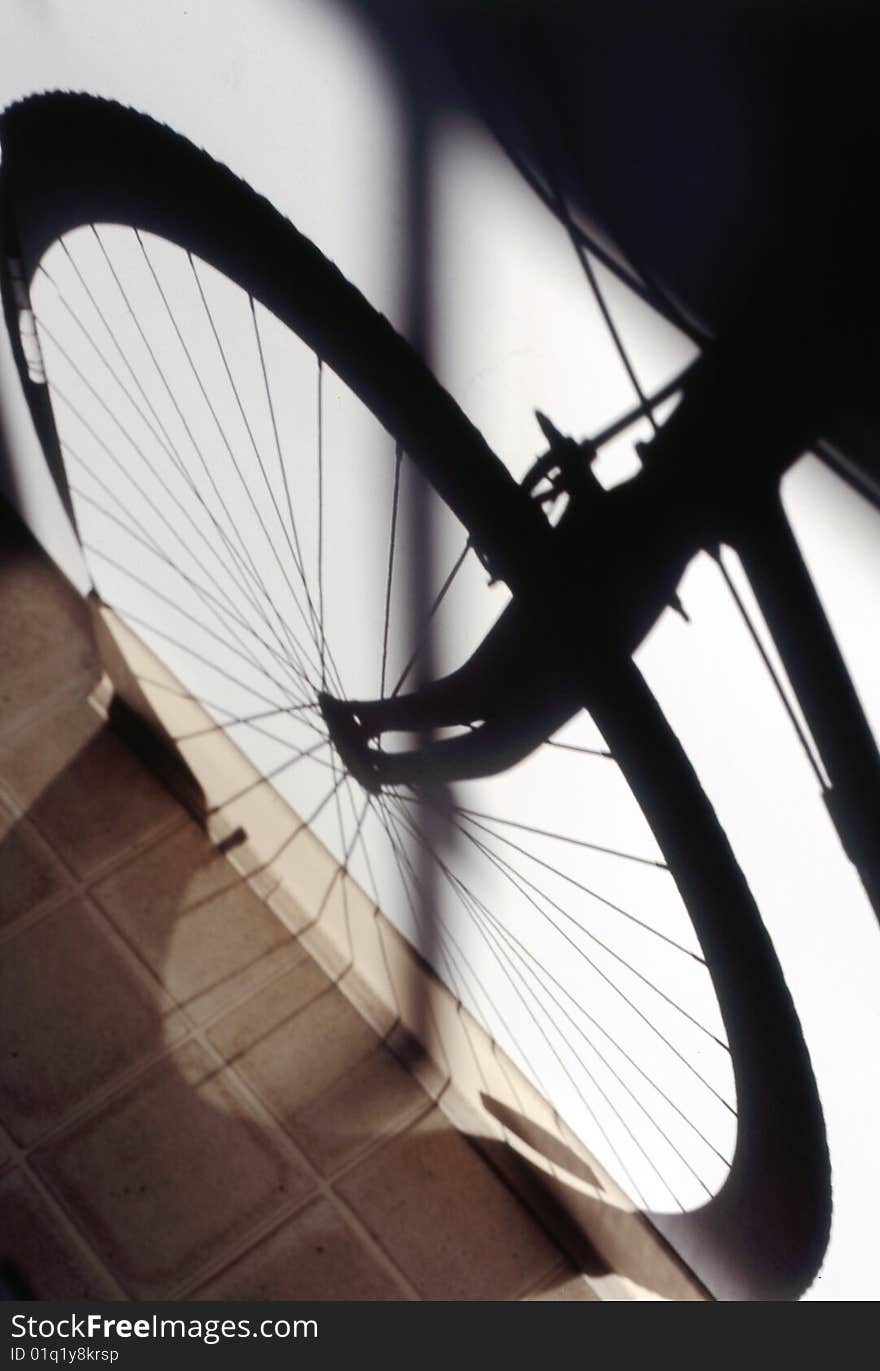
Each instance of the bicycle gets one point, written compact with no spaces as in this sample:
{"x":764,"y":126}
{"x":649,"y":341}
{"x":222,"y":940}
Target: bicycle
{"x":188,"y":218}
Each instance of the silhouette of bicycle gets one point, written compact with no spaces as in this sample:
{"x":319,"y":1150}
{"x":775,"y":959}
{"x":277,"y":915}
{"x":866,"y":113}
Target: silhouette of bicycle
{"x":237,"y":435}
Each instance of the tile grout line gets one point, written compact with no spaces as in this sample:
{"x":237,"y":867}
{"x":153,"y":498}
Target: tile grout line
{"x":51,"y":705}
{"x":96,"y":1100}
{"x":201,"y":1030}
{"x":234,"y":1000}
{"x":72,"y":1229}
{"x":101,"y":1094}
{"x":257,"y":978}
{"x":83,"y":880}
{"x":26,"y":1159}
{"x":82,"y":886}
{"x":197,"y":1030}
{"x":104,"y":1095}
{"x":18,"y":1162}
{"x":323,"y":1190}
{"x":324,"y":1186}
{"x":31,"y":918}
{"x":176,"y":819}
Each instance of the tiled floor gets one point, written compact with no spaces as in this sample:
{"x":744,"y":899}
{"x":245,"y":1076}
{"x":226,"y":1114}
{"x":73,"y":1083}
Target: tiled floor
{"x":189,"y":1106}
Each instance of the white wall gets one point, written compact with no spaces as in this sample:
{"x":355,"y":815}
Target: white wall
{"x":298,"y":99}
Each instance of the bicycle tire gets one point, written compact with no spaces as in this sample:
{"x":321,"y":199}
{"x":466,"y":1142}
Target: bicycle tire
{"x":71,"y":161}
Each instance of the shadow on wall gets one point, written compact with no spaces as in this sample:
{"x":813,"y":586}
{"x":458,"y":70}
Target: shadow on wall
{"x":567,"y":89}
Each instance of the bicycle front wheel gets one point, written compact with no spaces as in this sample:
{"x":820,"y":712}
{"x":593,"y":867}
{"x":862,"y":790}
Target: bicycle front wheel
{"x":241,"y":437}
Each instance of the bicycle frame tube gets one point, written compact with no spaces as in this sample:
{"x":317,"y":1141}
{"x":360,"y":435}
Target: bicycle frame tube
{"x":800,"y":629}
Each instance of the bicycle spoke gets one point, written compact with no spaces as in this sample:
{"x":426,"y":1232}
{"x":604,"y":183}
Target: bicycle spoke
{"x":130,"y":615}
{"x":418,"y":906}
{"x":185,"y":514}
{"x":164,"y":599}
{"x":270,"y":541}
{"x":516,"y":876}
{"x":221,"y":611}
{"x":532,"y":894}
{"x":282,"y":623}
{"x":243,"y":719}
{"x":307,"y":823}
{"x":484,"y":916}
{"x":214,"y":707}
{"x":238,"y":552}
{"x":582,"y":751}
{"x":296,"y":549}
{"x":561,"y":838}
{"x":392,"y":542}
{"x":526,"y":954}
{"x":594,"y":895}
{"x":300,"y":755}
{"x":435,"y":605}
{"x":149,"y":502}
{"x":515,"y":954}
{"x":536,"y":1011}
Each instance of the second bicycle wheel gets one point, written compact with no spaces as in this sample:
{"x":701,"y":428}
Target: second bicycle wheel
{"x":236,"y":426}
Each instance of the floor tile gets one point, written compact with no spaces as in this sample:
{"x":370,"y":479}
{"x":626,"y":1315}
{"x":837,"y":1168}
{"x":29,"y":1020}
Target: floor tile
{"x":194,"y":921}
{"x":87,"y":793}
{"x":28,"y":875}
{"x":375,"y":1098}
{"x":36,"y":1248}
{"x":314,"y":1256}
{"x":34,"y":757}
{"x":446,"y":1219}
{"x":173,"y":1173}
{"x":289,"y":1058}
{"x":75,"y":1014}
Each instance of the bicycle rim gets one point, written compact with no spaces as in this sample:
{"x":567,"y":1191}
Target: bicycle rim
{"x":220,"y":450}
